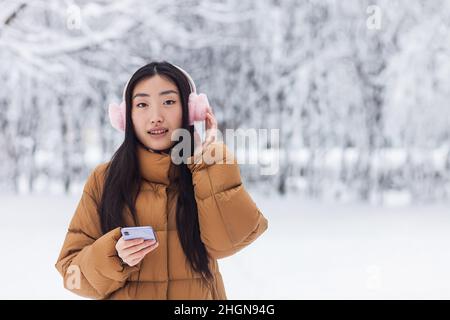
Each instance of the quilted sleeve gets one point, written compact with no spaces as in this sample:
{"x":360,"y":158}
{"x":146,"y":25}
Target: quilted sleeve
{"x":228,"y":217}
{"x":88,"y":261}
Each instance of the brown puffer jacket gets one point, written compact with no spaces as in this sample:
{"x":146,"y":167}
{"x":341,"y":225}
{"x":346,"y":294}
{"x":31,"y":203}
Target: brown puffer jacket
{"x":229,"y":220}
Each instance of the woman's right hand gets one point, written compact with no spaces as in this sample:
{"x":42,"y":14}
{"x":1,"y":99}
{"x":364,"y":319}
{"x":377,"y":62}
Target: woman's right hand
{"x":133,"y":251}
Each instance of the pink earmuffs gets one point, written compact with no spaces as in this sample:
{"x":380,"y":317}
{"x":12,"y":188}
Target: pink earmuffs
{"x":198,"y":106}
{"x":117,"y":115}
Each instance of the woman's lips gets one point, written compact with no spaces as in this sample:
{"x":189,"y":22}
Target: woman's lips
{"x":158,"y":132}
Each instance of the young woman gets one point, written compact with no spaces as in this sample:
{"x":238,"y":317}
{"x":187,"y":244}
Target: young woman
{"x":199,"y":210}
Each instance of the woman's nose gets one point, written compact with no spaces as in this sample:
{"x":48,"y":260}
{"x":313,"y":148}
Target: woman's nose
{"x":156,"y":116}
{"x":156,"y":120}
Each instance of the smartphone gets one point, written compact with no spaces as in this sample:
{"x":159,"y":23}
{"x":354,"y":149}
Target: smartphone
{"x":145,"y":233}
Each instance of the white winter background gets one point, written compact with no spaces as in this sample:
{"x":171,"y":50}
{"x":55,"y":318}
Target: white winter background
{"x":359,"y":205}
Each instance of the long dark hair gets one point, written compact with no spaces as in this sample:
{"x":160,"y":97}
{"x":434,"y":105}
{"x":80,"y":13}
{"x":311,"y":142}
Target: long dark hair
{"x":123,"y":179}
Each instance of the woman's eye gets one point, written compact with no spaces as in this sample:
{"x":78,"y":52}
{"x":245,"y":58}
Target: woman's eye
{"x":169,"y":102}
{"x":141,"y":105}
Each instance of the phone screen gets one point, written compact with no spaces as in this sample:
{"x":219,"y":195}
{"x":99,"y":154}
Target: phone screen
{"x":145,"y":233}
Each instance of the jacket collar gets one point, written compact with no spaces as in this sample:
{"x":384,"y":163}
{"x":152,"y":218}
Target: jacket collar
{"x":156,"y":166}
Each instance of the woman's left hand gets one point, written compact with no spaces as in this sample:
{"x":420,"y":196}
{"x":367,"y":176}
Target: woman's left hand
{"x":211,"y":132}
{"x":211,"y":128}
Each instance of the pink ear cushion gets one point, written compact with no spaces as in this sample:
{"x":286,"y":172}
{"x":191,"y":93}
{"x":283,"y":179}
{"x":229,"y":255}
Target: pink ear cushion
{"x":117,"y":115}
{"x":198,"y":105}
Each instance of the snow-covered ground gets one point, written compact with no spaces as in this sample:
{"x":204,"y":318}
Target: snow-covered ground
{"x":312,"y":250}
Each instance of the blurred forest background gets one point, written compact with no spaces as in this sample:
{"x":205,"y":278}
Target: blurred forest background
{"x":360,"y":90}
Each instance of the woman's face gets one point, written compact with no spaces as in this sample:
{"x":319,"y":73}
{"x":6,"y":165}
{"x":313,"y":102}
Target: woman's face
{"x":156,"y":103}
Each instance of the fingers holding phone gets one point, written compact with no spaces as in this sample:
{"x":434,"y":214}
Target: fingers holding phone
{"x":133,"y":251}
